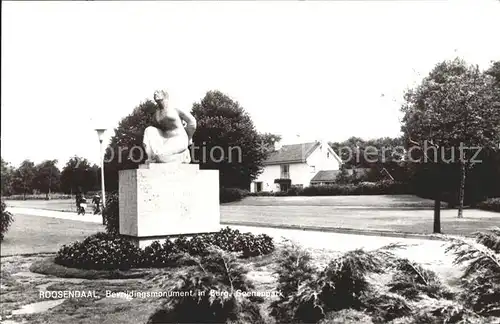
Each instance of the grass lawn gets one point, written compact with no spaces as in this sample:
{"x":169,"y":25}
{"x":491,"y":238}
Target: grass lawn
{"x":34,"y":234}
{"x":378,"y":201}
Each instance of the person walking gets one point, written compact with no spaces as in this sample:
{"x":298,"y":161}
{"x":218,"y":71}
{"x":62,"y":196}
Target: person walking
{"x":96,"y":200}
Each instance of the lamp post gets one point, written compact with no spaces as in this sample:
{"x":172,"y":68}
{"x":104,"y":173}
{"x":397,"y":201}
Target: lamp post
{"x":100,"y":135}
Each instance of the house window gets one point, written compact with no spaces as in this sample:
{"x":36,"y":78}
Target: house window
{"x":328,"y":154}
{"x":313,"y":169}
{"x":285,"y":171}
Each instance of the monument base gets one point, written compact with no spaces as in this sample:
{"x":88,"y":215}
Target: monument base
{"x":163,"y":201}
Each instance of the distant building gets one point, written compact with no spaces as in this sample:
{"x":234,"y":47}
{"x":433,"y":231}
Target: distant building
{"x":297,"y":165}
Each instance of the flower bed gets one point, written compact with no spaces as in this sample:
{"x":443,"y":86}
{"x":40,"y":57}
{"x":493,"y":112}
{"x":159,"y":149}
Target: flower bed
{"x":104,"y":251}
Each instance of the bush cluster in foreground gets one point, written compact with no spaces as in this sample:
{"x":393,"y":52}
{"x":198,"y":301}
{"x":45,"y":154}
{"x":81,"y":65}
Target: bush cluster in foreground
{"x":217,"y":271}
{"x":5,"y":220}
{"x":104,"y":251}
{"x":350,"y":289}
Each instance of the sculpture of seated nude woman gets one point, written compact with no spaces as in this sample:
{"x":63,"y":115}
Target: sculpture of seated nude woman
{"x":168,"y":139}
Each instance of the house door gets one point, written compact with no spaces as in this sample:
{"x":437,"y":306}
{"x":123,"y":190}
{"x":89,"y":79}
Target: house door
{"x":258,"y":186}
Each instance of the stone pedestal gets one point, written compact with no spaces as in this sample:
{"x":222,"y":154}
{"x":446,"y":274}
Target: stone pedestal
{"x":162,"y":200}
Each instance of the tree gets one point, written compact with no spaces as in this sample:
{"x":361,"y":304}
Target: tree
{"x":23,"y":178}
{"x":125,"y":150}
{"x":47,"y":177}
{"x":344,"y":177}
{"x":357,"y":152}
{"x":494,"y":71}
{"x":7,"y":174}
{"x":454,"y":110}
{"x":226,"y":140}
{"x":78,"y":175}
{"x":269,"y":139}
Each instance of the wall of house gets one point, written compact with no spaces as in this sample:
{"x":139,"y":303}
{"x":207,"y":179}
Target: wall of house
{"x":320,"y":159}
{"x":300,"y":173}
{"x":267,"y":177}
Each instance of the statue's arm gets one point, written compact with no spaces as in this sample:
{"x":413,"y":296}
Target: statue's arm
{"x":190,"y":123}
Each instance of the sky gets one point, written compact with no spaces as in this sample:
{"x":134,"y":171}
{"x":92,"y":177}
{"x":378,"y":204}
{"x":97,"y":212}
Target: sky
{"x":303,"y":69}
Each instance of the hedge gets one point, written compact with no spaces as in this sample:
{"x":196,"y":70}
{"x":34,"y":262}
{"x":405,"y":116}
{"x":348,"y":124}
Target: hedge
{"x":492,"y":204}
{"x":363,"y":188}
{"x":231,"y":194}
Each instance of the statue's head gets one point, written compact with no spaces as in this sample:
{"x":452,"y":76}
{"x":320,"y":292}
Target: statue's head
{"x":160,"y":121}
{"x":161,"y":98}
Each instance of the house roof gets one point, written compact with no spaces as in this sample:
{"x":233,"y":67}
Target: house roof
{"x":294,"y":153}
{"x":331,"y":175}
{"x":325,"y":176}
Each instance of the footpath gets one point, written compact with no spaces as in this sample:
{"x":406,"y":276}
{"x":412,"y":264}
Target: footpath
{"x":90,"y":218}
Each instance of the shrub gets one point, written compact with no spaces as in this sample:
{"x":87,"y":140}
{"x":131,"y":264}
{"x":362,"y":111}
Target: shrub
{"x":158,"y":255}
{"x":481,"y":277}
{"x":385,"y":307}
{"x":5,"y":220}
{"x":363,"y":188}
{"x":217,"y":272}
{"x":346,"y":316}
{"x":412,"y":282}
{"x":294,"y":191}
{"x":231,"y":194}
{"x":262,"y":194}
{"x":110,"y":213}
{"x":341,"y":285}
{"x":443,"y":311}
{"x":246,"y":244}
{"x":100,"y":251}
{"x":294,"y":269}
{"x":492,"y":204}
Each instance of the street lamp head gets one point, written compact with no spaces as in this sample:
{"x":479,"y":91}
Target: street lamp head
{"x":100,"y":133}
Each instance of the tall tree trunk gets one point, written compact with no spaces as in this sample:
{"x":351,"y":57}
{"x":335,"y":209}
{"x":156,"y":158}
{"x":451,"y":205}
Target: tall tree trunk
{"x":50,"y":184}
{"x":437,"y":202}
{"x":461,"y":193}
{"x":437,"y":214}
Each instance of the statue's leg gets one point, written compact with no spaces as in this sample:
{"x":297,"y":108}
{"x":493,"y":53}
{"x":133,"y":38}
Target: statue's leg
{"x":149,"y":135}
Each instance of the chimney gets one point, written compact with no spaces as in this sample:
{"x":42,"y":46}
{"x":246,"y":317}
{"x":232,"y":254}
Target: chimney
{"x":323,"y":143}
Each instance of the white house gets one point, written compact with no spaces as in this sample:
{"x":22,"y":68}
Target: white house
{"x":296,"y":165}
